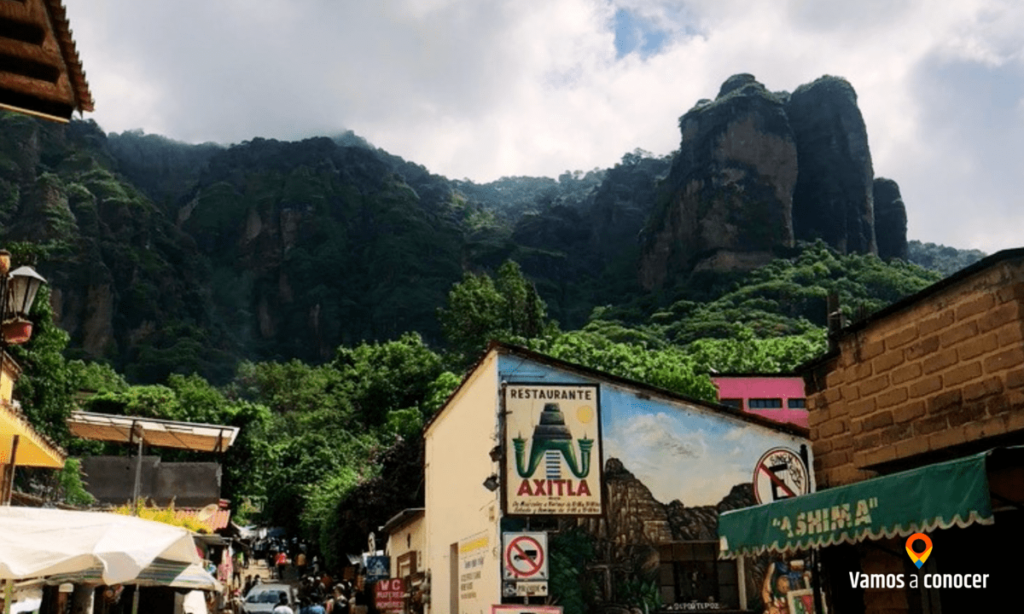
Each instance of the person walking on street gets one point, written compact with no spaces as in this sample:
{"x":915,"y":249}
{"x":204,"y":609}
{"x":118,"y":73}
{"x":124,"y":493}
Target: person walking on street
{"x":282,"y":605}
{"x":281,"y":561}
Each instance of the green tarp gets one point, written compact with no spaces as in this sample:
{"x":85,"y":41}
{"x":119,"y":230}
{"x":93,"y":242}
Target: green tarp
{"x":936,"y":496}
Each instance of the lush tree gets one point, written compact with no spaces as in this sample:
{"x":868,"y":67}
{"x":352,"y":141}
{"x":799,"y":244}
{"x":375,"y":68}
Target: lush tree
{"x":46,"y":387}
{"x":746,"y":353}
{"x":472,"y":316}
{"x":670,"y":368}
{"x":96,"y":377}
{"x":571,"y":584}
{"x":395,"y":483}
{"x":941,"y":258}
{"x":378,"y":378}
{"x":480,"y":310}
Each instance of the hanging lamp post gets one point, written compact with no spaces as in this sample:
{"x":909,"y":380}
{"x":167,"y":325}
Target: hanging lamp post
{"x":18,"y":291}
{"x":22,"y":286}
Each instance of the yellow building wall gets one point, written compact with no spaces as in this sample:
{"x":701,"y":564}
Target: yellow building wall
{"x":411,"y":537}
{"x":8,"y":376}
{"x":460,"y":511}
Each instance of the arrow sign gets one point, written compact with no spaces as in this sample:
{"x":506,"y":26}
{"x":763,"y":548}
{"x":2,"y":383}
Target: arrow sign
{"x":525,"y":556}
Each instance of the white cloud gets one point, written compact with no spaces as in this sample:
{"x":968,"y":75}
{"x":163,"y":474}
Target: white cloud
{"x":485,"y":89}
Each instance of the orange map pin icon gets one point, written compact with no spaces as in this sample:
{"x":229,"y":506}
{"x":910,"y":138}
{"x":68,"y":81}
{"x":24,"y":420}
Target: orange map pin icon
{"x":919,"y":559}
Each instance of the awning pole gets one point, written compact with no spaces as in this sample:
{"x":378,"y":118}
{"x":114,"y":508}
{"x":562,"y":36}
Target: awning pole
{"x":8,"y":486}
{"x":8,"y":594}
{"x":816,"y":580}
{"x":135,"y":600}
{"x":138,"y":473}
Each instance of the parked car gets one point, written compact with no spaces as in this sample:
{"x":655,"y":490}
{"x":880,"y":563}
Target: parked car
{"x":263,"y":598}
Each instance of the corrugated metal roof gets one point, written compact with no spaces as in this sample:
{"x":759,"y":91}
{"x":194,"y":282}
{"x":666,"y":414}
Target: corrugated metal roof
{"x":214,"y":521}
{"x":160,"y":433}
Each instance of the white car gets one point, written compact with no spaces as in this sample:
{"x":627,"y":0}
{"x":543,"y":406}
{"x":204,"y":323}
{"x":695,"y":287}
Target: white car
{"x":263,"y":598}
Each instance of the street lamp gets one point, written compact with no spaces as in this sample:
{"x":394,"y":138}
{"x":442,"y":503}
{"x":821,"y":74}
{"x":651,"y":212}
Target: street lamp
{"x":22,"y":285}
{"x":18,"y":291}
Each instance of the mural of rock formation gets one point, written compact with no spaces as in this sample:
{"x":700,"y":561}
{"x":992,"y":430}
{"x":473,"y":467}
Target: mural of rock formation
{"x":634,"y":517}
{"x":890,"y":220}
{"x":635,"y":524}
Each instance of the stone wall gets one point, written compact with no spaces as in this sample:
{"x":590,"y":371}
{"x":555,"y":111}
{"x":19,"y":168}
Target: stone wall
{"x":111,"y":480}
{"x":945,"y":371}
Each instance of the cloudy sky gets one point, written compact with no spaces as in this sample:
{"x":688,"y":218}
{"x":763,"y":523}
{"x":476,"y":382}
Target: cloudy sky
{"x":486,"y":88}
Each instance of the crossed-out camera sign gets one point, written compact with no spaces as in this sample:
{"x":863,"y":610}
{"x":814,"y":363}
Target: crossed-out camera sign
{"x":525,"y":556}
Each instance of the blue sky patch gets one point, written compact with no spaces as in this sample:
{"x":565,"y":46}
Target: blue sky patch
{"x":634,"y":34}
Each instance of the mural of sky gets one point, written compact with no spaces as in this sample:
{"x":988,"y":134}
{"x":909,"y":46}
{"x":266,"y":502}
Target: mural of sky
{"x":481,"y":90}
{"x":694,"y":457}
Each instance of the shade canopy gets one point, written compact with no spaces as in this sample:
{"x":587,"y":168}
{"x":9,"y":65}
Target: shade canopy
{"x":160,"y":433}
{"x":158,"y":573}
{"x":943,"y":495}
{"x":39,"y":543}
{"x":34,"y":449}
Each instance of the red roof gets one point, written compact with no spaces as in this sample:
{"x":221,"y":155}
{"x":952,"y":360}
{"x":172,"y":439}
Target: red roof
{"x":214,"y":522}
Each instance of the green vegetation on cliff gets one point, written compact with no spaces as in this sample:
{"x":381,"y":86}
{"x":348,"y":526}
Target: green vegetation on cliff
{"x":327,"y":297}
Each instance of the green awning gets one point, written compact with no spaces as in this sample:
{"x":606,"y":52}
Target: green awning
{"x":952,"y":493}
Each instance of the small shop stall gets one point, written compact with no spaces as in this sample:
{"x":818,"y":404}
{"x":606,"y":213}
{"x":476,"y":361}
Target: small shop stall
{"x":864,"y":534}
{"x":114,"y":562}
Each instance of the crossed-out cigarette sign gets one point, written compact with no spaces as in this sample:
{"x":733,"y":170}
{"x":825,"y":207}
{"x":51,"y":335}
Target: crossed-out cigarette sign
{"x":780,"y":474}
{"x":525,"y":556}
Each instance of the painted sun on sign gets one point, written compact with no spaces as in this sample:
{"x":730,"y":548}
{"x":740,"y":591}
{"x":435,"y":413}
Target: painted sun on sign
{"x":553,"y":450}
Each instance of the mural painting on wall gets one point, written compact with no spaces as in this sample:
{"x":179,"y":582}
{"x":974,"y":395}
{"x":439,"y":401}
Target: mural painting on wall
{"x":553,"y":450}
{"x":787,"y":588}
{"x":669,"y":473}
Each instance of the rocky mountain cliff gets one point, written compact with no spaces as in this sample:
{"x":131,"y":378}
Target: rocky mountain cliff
{"x":757,"y":170}
{"x":166,"y":257}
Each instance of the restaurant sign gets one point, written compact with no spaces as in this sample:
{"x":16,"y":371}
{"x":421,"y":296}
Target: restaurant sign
{"x":553,"y":449}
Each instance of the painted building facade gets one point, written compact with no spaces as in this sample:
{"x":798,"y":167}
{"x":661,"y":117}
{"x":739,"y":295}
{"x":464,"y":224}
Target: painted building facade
{"x":776,"y":397}
{"x":625,"y":481}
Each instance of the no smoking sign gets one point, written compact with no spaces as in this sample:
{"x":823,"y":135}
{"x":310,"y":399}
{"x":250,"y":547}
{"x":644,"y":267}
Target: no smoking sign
{"x":780,"y":474}
{"x":525,"y":556}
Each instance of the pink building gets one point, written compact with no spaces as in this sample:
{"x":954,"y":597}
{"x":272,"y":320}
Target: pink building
{"x":776,"y":397}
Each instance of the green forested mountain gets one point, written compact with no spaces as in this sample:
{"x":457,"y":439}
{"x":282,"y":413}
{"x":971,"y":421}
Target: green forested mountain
{"x":942,"y":258}
{"x":167,"y":257}
{"x":327,"y":296}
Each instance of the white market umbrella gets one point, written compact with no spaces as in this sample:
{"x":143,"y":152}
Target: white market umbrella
{"x":37,"y":543}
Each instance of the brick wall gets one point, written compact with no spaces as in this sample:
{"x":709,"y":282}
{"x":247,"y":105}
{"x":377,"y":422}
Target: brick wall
{"x":944,"y":371}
